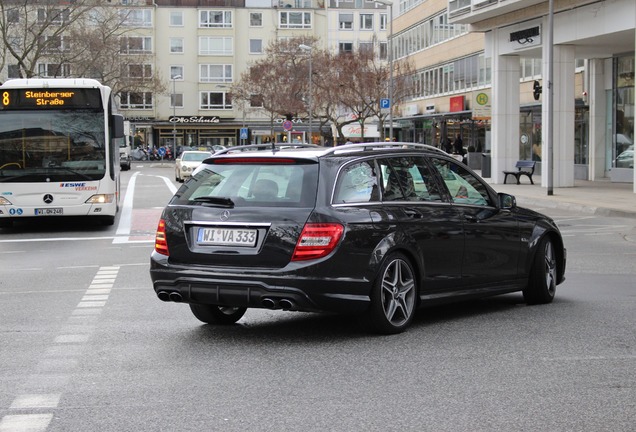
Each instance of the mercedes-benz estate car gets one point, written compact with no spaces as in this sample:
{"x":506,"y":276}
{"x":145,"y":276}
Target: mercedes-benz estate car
{"x":373,"y":229}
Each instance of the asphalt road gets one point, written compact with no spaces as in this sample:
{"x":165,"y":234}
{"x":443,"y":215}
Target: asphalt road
{"x":87,"y":346}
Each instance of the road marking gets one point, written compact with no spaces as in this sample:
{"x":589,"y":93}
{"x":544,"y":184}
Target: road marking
{"x":36,"y":401}
{"x":127,"y":219}
{"x":54,"y":369}
{"x":590,"y":358}
{"x":56,"y":239}
{"x":25,"y":422}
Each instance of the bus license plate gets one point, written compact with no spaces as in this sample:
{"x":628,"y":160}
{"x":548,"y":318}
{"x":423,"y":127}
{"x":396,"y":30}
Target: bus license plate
{"x":48,"y":211}
{"x":227,"y":237}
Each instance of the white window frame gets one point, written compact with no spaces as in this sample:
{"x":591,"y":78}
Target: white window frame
{"x":256,"y":16}
{"x":176,"y":45}
{"x":146,"y":44}
{"x":146,"y":103}
{"x":341,"y":46}
{"x":207,"y":19}
{"x":176,"y":100}
{"x":260,"y":50}
{"x":177,"y":70}
{"x":366,"y":21}
{"x":61,"y":16}
{"x":56,"y":44}
{"x":226,"y":103}
{"x":344,"y":23}
{"x":286,"y":18}
{"x":136,"y":17}
{"x":216,"y":73}
{"x":176,"y":19}
{"x":145,"y":69}
{"x":44,"y":69}
{"x":226,"y":48}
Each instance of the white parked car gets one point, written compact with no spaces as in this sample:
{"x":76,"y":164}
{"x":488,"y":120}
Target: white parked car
{"x":187,"y":162}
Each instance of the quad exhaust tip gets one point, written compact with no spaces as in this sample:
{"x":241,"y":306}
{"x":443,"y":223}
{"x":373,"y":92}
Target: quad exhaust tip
{"x":169,"y":296}
{"x":271,"y":303}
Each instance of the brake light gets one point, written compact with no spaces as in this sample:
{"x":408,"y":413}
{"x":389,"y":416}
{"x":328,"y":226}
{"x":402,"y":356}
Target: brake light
{"x":254,"y":160}
{"x":317,"y":240}
{"x":161,"y":245}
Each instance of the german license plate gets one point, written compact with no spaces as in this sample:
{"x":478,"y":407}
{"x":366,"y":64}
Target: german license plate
{"x":227,"y":237}
{"x":49,"y":211}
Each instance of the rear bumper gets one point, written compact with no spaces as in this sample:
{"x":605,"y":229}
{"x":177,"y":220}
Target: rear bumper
{"x":260,"y":290}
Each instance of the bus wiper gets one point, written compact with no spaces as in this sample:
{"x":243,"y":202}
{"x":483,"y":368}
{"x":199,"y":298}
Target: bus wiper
{"x":220,"y":201}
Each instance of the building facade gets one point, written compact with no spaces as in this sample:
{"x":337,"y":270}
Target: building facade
{"x":199,"y":48}
{"x":480,"y":63}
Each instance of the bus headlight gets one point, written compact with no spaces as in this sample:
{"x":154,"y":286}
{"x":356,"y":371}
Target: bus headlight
{"x":101,"y":199}
{"x":4,"y":201}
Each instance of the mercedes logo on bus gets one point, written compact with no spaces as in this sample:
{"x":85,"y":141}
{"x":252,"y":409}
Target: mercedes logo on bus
{"x":48,"y":198}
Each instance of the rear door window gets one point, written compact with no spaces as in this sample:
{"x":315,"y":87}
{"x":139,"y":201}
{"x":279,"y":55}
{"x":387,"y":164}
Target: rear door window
{"x":408,"y":179}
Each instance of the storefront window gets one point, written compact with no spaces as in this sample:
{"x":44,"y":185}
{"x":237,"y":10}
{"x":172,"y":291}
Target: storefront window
{"x":623,"y":142}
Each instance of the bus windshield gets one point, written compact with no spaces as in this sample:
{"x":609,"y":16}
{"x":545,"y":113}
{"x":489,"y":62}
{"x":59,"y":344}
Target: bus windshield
{"x":52,"y":146}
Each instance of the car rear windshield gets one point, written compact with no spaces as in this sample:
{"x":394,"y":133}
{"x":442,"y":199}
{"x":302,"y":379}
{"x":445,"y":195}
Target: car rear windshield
{"x":267,"y":183}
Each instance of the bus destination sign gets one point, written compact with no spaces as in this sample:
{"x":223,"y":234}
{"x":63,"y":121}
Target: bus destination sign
{"x":51,"y":98}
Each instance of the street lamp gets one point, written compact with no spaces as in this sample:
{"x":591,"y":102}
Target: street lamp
{"x":310,"y":100}
{"x":389,"y":5}
{"x":174,"y":115}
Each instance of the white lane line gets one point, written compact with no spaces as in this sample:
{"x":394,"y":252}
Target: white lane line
{"x":71,"y":338}
{"x":54,"y":369}
{"x":32,"y":401}
{"x":125,"y":220}
{"x":25,"y":422}
{"x":56,"y":239}
{"x":122,"y":235}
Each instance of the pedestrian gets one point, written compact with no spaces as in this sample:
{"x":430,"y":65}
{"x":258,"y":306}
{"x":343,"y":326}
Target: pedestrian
{"x":458,"y":145}
{"x":448,"y":145}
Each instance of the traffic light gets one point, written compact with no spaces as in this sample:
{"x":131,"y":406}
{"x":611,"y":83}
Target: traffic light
{"x":538,"y":89}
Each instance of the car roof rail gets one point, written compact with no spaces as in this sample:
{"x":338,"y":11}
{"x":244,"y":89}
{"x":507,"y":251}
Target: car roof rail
{"x":382,"y":145}
{"x":265,"y":147}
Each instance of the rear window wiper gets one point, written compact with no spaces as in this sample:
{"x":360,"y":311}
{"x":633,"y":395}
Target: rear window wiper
{"x":220,"y":201}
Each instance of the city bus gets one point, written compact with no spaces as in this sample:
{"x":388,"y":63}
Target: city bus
{"x":59,"y":150}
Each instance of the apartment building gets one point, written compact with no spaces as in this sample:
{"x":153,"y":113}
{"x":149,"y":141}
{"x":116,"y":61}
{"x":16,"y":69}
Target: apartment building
{"x":199,"y":48}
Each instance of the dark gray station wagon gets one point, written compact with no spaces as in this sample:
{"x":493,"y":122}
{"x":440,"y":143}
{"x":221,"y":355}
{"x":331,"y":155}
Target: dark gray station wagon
{"x":372,"y":229}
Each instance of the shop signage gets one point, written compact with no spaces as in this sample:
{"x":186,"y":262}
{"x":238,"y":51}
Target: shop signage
{"x":481,"y":107}
{"x":194,"y":119}
{"x":138,"y":118}
{"x":457,"y":103}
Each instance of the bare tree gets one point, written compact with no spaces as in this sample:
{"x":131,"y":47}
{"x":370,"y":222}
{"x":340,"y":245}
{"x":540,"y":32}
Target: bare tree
{"x":276,"y":83}
{"x":346,"y":88}
{"x":83,"y":38}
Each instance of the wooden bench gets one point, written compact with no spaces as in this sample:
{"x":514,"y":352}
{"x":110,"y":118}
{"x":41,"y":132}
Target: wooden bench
{"x":524,"y":167}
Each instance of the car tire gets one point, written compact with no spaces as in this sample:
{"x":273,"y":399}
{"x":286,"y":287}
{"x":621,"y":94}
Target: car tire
{"x":393,"y":296}
{"x":176,"y":177}
{"x":213,"y":314}
{"x":543,"y":275}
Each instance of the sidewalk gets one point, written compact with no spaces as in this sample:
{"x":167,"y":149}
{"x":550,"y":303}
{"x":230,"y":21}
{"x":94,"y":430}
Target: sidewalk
{"x":600,"y":197}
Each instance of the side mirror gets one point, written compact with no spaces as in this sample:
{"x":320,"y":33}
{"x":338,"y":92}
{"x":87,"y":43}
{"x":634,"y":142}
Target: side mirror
{"x":118,"y":125}
{"x":507,"y":201}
